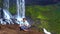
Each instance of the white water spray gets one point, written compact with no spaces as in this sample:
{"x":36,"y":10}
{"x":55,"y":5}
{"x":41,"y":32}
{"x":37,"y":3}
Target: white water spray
{"x":45,"y":31}
{"x":7,"y":15}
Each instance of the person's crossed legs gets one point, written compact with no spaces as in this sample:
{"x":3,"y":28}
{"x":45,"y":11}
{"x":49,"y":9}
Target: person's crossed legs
{"x":25,"y":28}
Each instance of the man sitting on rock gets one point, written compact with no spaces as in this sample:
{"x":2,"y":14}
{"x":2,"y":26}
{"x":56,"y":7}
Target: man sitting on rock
{"x":24,"y":25}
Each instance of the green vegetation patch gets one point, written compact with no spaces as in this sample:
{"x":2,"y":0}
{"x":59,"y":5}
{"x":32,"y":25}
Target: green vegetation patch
{"x":49,"y":16}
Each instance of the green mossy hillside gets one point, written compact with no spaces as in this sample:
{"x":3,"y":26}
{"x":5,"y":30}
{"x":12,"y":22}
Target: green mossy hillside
{"x":49,"y":16}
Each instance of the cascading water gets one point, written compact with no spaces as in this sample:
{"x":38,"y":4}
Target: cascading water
{"x":20,"y":10}
{"x":45,"y":31}
{"x":7,"y":15}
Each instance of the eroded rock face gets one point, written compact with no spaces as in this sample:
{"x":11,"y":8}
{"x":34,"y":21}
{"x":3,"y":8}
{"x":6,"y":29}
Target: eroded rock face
{"x":37,"y":2}
{"x":1,"y":13}
{"x":14,"y":29}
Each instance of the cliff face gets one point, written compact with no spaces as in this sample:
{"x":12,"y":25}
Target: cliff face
{"x":41,"y":2}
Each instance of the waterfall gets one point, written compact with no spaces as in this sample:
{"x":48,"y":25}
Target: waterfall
{"x":22,"y":4}
{"x":20,"y":10}
{"x":7,"y":15}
